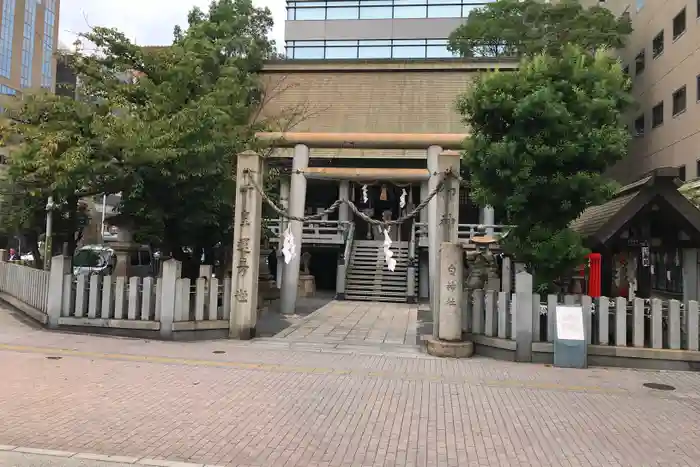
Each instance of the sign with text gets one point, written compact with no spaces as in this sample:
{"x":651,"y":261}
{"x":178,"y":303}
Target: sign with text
{"x":570,"y":346}
{"x":570,"y":323}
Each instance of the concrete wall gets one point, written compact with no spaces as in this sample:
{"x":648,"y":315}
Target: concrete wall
{"x":676,"y":141}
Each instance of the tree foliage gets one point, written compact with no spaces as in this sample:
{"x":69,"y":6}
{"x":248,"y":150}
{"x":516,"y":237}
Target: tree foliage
{"x":528,"y":27}
{"x":56,"y":150}
{"x":542,"y":136}
{"x":160,"y":125}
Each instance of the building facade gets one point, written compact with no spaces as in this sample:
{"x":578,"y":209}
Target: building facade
{"x":372,"y":29}
{"x":662,"y":57}
{"x":28,"y":41}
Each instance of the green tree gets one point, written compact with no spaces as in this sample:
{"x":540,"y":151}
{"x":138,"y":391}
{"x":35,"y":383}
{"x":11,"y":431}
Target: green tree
{"x":55,"y":150}
{"x":541,"y":138}
{"x":185,"y":111}
{"x":528,"y":27}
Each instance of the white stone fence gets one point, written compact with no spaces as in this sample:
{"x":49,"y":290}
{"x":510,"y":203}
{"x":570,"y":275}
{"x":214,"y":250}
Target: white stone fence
{"x":169,"y":305}
{"x":637,"y":333}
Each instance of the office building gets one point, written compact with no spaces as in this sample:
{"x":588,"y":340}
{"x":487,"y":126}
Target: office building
{"x":373,"y":29}
{"x":28,"y":41}
{"x":663,"y":60}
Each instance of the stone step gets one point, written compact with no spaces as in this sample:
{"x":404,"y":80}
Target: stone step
{"x":394,"y":279}
{"x":375,"y":298}
{"x":377,"y":281}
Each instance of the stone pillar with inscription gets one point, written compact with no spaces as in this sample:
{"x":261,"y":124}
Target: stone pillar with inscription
{"x":449,"y":342}
{"x":451,"y":278}
{"x":246,"y":247}
{"x":443,"y":212}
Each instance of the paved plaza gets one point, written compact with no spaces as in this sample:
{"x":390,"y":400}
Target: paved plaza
{"x":281,"y":402}
{"x":351,"y":322}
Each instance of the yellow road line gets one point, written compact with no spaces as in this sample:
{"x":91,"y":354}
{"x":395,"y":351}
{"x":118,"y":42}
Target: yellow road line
{"x":306,"y":370}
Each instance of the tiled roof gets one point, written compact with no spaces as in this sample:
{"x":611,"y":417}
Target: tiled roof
{"x":595,"y":217}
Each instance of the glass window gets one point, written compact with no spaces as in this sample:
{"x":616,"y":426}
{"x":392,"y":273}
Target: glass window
{"x":6,"y":31}
{"x":437,"y":48}
{"x":410,"y":9}
{"x":310,"y":13}
{"x":639,"y":126}
{"x":375,"y":42}
{"x":639,"y":63}
{"x":375,"y":12}
{"x":444,"y":11}
{"x":341,"y":52}
{"x":342,"y":13}
{"x":408,"y":49}
{"x":679,"y":101}
{"x":28,"y":44}
{"x":375,"y":51}
{"x":308,"y":52}
{"x":466,"y":9}
{"x":657,"y":115}
{"x":640,"y":4}
{"x":679,"y":24}
{"x":658,"y":44}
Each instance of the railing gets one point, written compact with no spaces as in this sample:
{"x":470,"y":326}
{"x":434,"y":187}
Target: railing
{"x":322,"y":232}
{"x":464,"y":231}
{"x":26,"y":284}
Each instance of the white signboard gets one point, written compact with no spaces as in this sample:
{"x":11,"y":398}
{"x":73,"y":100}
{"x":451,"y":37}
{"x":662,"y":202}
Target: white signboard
{"x":570,"y":323}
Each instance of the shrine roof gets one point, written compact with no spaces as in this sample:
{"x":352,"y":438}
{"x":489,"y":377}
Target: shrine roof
{"x":598,"y":224}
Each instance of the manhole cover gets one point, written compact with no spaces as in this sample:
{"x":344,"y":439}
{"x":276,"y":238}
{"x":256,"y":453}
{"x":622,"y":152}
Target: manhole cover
{"x":218,"y":351}
{"x":659,"y":386}
{"x":53,"y":357}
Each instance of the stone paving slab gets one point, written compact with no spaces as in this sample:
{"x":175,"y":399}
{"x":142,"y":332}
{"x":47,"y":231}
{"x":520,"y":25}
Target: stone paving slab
{"x":358,"y":323}
{"x":262,"y":404}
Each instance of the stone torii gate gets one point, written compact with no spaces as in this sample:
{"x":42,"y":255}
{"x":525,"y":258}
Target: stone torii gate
{"x":442,"y":213}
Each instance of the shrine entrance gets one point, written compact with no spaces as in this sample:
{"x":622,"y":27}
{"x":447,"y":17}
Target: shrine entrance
{"x":385,"y":201}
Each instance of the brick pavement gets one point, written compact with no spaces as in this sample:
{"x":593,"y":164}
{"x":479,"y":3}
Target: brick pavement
{"x":265,"y":403}
{"x":358,"y":323}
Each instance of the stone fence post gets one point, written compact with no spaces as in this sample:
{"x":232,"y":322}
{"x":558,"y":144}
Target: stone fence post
{"x":168,"y":291}
{"x":522,"y":317}
{"x":60,"y":268}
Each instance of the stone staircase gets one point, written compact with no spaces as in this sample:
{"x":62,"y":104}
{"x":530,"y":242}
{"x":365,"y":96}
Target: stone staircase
{"x":368,"y":277}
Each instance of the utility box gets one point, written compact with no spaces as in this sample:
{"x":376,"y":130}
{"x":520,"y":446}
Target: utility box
{"x":570,"y":346}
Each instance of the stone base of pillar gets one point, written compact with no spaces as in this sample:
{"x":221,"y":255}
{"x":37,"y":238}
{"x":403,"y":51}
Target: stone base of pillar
{"x":307,"y":286}
{"x":449,"y":349}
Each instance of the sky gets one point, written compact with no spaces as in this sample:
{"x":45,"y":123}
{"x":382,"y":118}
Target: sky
{"x":147,"y":22}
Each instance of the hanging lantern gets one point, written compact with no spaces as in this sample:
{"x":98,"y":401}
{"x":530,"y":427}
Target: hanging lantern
{"x":383,"y":196}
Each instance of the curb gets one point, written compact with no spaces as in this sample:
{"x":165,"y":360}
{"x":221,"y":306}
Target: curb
{"x":101,"y":457}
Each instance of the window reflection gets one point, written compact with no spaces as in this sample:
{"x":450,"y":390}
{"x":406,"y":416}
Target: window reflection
{"x":444,"y":11}
{"x":381,"y":9}
{"x":380,"y":48}
{"x":343,"y":13}
{"x":375,"y":12}
{"x":310,"y":13}
{"x":375,"y":52}
{"x":341,"y":52}
{"x":409,"y":12}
